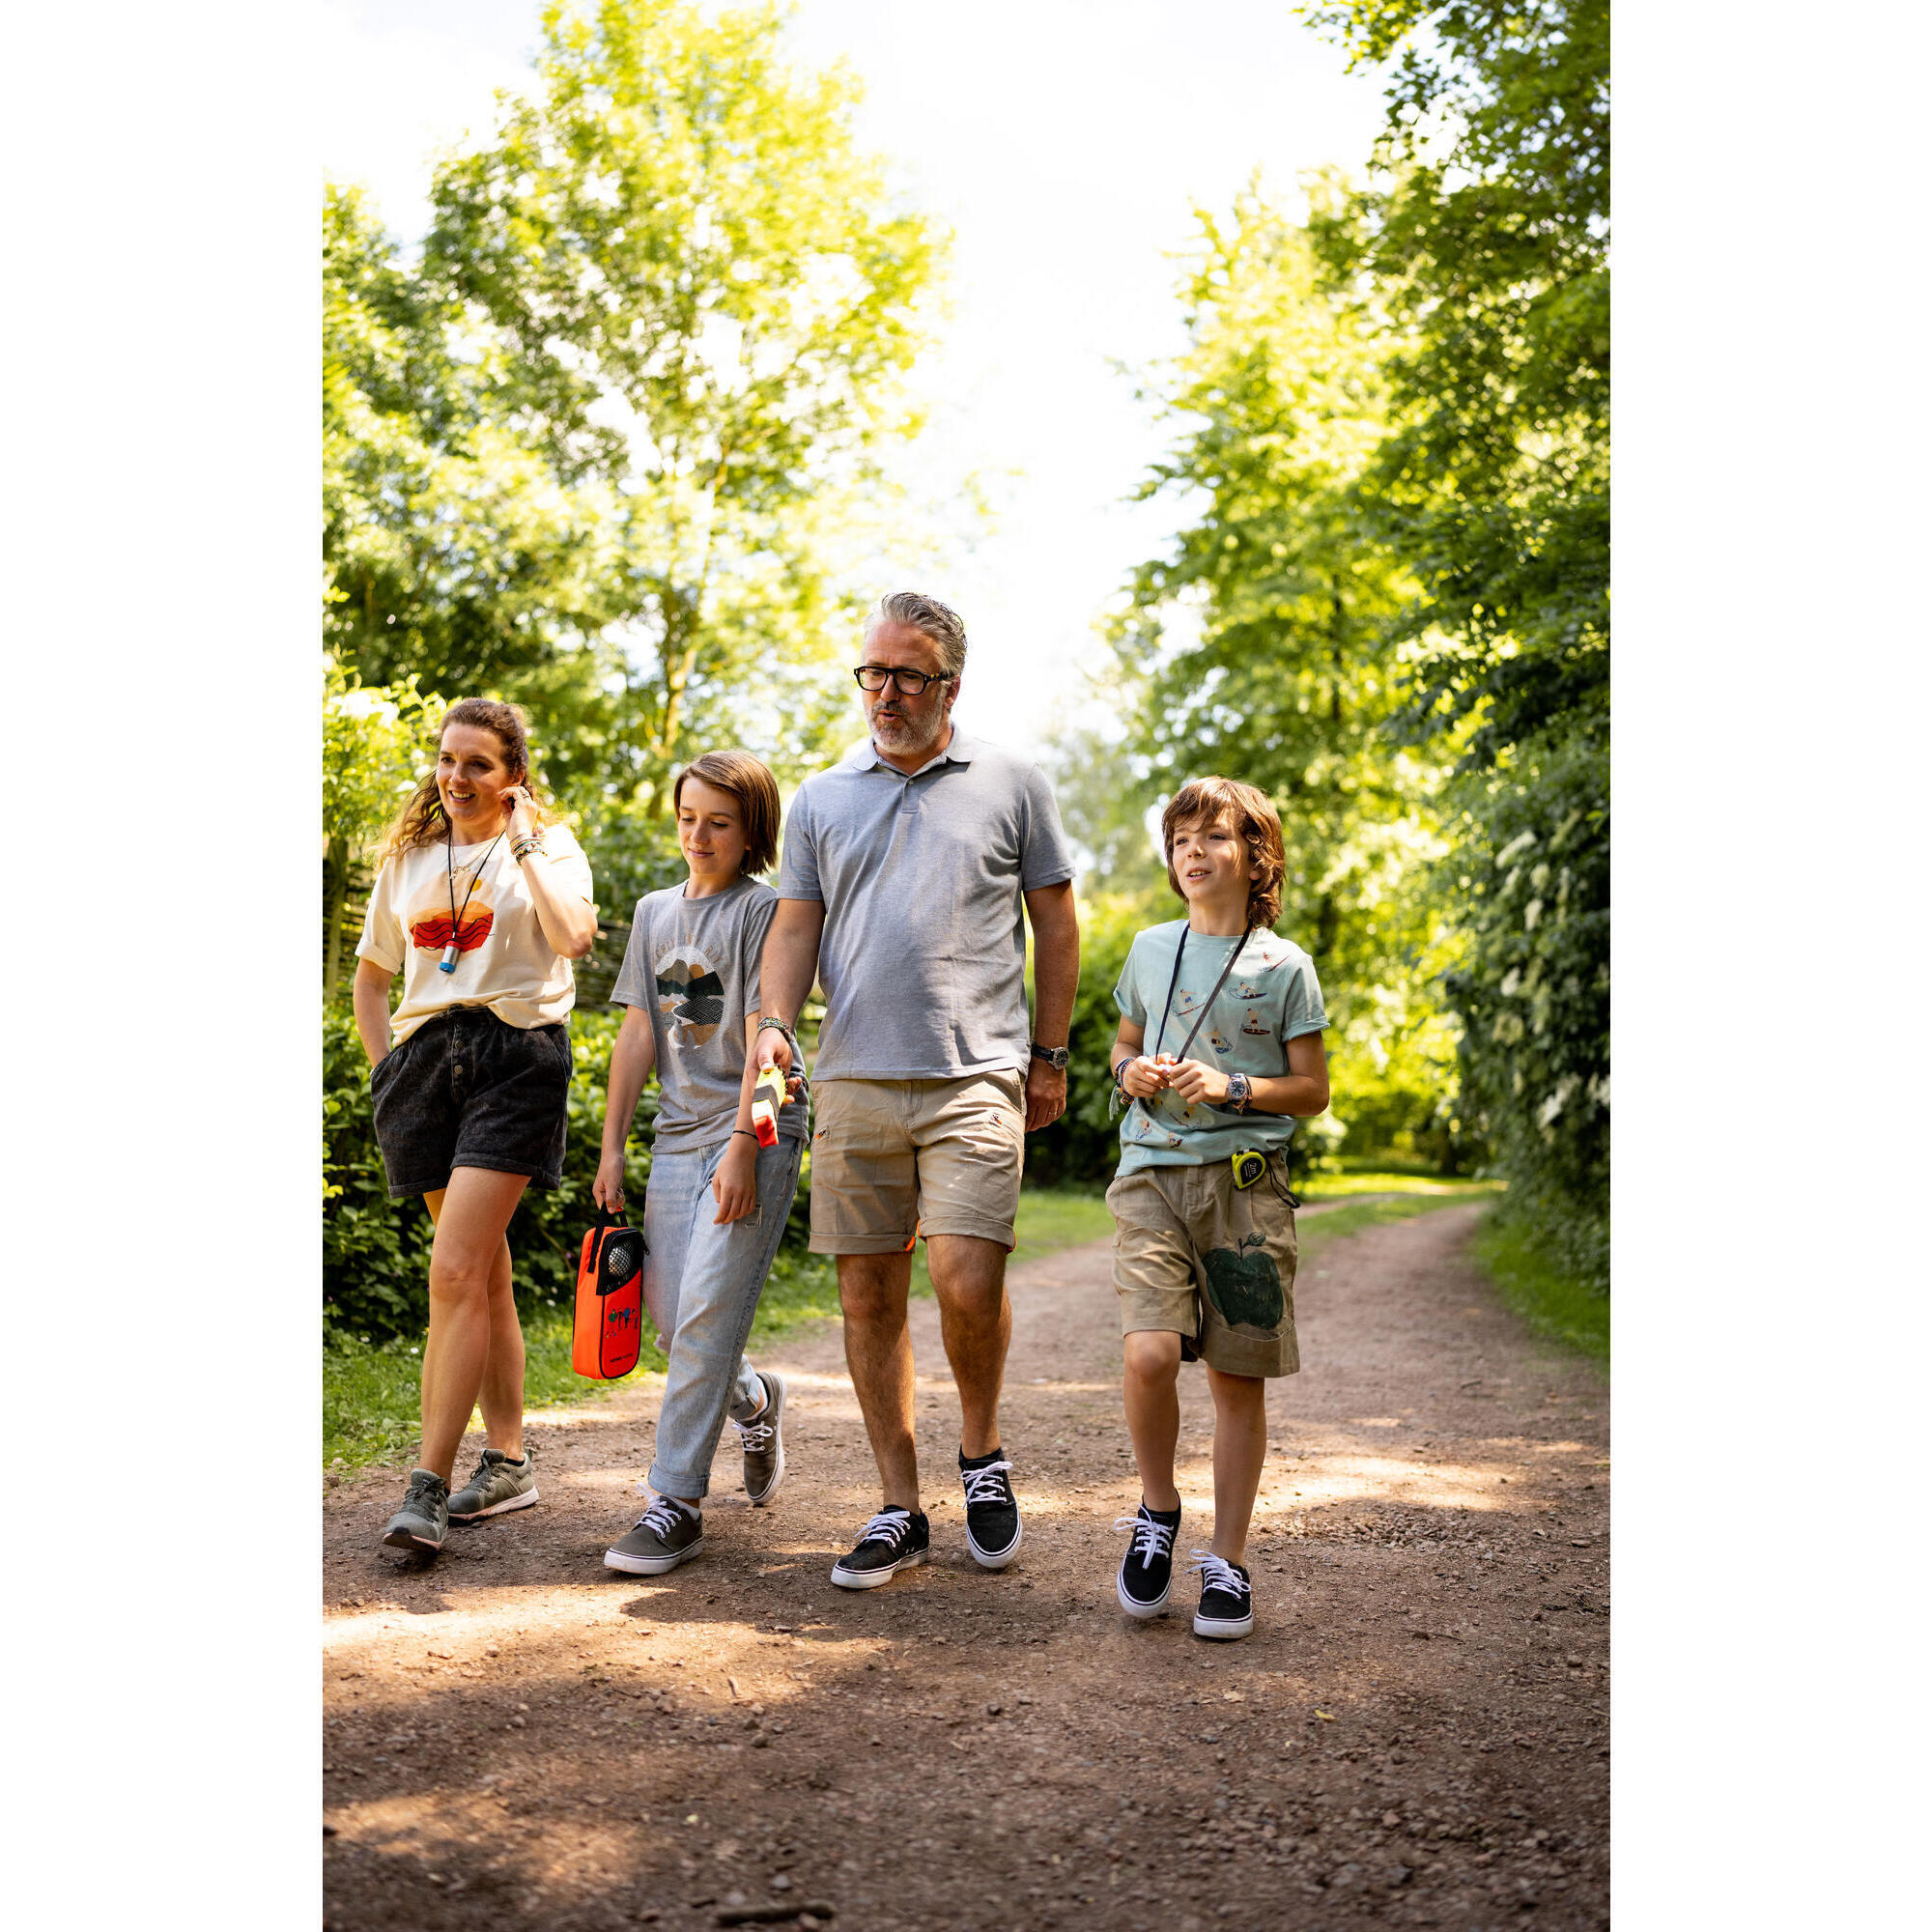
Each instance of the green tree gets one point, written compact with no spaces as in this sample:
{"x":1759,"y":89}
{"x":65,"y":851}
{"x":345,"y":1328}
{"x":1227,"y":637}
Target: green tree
{"x":1480,"y":252}
{"x":697,"y":296}
{"x":376,"y":745}
{"x":452,"y":551}
{"x":1265,"y":648}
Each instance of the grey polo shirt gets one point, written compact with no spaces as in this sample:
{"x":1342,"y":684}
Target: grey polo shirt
{"x":923,"y":953}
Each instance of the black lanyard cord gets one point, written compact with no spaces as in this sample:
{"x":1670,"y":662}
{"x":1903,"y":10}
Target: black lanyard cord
{"x":455,"y":917}
{"x":1174,"y":979}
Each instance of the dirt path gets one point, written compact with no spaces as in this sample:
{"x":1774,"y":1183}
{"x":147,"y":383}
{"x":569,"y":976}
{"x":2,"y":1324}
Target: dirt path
{"x":1415,"y":1733}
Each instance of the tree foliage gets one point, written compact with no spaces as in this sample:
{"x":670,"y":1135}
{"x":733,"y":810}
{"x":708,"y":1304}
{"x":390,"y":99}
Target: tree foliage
{"x":698,"y":298}
{"x":1269,"y":647}
{"x":376,"y":745}
{"x":1482,"y":246}
{"x":454,"y":554}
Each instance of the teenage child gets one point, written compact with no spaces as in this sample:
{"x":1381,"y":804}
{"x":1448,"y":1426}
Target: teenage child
{"x":1220,"y":1044}
{"x":717,"y":1202}
{"x":482,"y":903}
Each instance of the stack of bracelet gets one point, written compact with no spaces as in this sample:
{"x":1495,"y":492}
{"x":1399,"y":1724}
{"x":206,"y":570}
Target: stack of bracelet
{"x":521,"y":848}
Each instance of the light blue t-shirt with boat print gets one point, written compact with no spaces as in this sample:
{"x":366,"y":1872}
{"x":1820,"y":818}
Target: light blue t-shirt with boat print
{"x":1269,"y":997}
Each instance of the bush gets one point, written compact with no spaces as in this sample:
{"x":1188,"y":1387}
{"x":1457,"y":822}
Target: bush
{"x":1534,"y":992}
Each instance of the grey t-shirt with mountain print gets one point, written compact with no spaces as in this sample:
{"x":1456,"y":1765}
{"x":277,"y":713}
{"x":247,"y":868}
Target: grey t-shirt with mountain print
{"x":692,"y":965}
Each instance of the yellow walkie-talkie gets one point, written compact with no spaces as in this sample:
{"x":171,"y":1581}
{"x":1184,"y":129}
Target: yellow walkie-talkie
{"x":768,"y":1097}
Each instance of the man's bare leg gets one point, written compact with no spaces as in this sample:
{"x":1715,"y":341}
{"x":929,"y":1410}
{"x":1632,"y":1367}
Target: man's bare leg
{"x":969,"y":1279}
{"x":878,"y":1352}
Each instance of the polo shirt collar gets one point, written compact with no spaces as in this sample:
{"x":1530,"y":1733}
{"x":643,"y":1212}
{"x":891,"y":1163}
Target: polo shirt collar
{"x":960,"y":750}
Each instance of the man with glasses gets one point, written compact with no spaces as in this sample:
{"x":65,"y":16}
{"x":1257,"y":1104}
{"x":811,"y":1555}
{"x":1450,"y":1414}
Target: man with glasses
{"x":904,"y":873}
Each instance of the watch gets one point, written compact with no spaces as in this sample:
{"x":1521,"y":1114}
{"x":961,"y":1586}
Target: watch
{"x":1055,"y":1057}
{"x":1239,"y":1092}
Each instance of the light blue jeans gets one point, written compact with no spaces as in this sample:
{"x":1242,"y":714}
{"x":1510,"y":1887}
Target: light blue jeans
{"x":702,"y":1284}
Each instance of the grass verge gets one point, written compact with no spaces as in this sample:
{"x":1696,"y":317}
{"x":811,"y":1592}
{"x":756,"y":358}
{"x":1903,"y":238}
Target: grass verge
{"x":1554,"y":1304}
{"x":1393,"y":1181}
{"x":1324,"y":1231}
{"x":370,"y":1391}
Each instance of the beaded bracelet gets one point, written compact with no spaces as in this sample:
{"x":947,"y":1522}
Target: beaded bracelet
{"x":522,"y":851}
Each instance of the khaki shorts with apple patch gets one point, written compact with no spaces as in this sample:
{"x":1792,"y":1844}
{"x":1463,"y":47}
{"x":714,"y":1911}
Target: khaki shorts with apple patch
{"x":891,"y":1160}
{"x":1197,"y":1257}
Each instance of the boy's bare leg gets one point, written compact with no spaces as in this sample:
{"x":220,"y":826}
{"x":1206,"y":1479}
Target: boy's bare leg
{"x":1151,"y":1369}
{"x":1240,"y":1449}
{"x":969,"y":1279}
{"x":878,"y":1352}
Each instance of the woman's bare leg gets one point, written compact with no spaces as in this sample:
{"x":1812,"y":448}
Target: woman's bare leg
{"x":467,"y":1260}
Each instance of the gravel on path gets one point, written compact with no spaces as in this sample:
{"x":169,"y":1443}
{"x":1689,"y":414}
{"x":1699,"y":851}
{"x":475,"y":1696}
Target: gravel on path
{"x":515,"y":1736}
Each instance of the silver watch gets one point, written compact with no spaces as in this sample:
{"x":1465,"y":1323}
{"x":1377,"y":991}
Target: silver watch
{"x":1055,"y":1057}
{"x":1239,"y":1092}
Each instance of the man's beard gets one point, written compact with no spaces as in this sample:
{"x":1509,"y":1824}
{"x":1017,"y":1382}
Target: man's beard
{"x":905,"y":735}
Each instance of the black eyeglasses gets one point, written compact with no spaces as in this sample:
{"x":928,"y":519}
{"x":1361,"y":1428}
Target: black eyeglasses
{"x":907,"y":683}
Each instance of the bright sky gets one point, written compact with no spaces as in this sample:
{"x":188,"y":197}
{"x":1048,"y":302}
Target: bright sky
{"x":1067,"y":143}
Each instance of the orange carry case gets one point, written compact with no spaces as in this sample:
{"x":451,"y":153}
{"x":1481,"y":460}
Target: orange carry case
{"x":607,"y":1329}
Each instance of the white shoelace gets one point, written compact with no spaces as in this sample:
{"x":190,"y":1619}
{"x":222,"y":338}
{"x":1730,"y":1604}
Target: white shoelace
{"x":753,"y":1436}
{"x":888,"y":1527}
{"x":661,"y":1518}
{"x":1150,"y":1539}
{"x":984,"y":1486}
{"x":1216,"y":1573}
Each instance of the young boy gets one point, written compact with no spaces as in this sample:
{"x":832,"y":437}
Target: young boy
{"x":1220,"y":1043}
{"x":718,"y":1200}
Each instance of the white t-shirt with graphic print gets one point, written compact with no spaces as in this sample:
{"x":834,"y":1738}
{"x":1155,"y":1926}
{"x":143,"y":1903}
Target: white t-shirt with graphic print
{"x":504,"y":961}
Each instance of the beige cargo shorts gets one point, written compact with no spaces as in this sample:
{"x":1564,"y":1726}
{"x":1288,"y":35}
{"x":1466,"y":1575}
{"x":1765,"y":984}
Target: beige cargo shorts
{"x":894,"y":1159}
{"x":1197,"y":1257}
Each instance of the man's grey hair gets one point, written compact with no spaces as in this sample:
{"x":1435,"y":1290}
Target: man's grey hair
{"x":933,"y":620}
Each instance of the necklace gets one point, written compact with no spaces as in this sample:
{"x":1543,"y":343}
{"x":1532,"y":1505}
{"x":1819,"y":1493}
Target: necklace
{"x":1174,"y":979}
{"x":452,"y":951}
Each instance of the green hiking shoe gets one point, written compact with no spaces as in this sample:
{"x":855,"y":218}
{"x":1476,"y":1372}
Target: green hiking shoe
{"x":498,"y":1485}
{"x":423,"y":1520}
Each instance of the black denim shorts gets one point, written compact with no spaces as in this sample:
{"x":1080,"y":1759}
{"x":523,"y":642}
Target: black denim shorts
{"x":468,"y":1090}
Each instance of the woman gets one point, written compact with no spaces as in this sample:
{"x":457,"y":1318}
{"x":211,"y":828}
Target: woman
{"x":482,"y":903}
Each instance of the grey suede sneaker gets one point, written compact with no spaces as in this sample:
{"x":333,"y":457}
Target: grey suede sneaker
{"x":423,"y":1520}
{"x":664,"y":1536}
{"x":498,"y":1485}
{"x":762,"y":1439}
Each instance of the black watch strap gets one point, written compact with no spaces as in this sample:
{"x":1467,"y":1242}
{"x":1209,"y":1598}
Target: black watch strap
{"x":1055,"y":1056}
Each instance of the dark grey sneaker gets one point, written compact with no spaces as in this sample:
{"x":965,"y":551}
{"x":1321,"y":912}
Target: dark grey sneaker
{"x":1226,"y":1600}
{"x":498,"y":1485}
{"x":666,"y":1535}
{"x":762,"y":1439}
{"x":894,"y":1540}
{"x":423,"y":1520}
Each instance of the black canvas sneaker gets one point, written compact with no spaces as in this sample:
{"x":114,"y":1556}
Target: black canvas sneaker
{"x":992,"y":1515}
{"x":423,"y":1520}
{"x":664,"y":1536}
{"x":1227,"y":1601}
{"x":762,"y":1439}
{"x":1147,"y":1569}
{"x":894,"y":1540}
